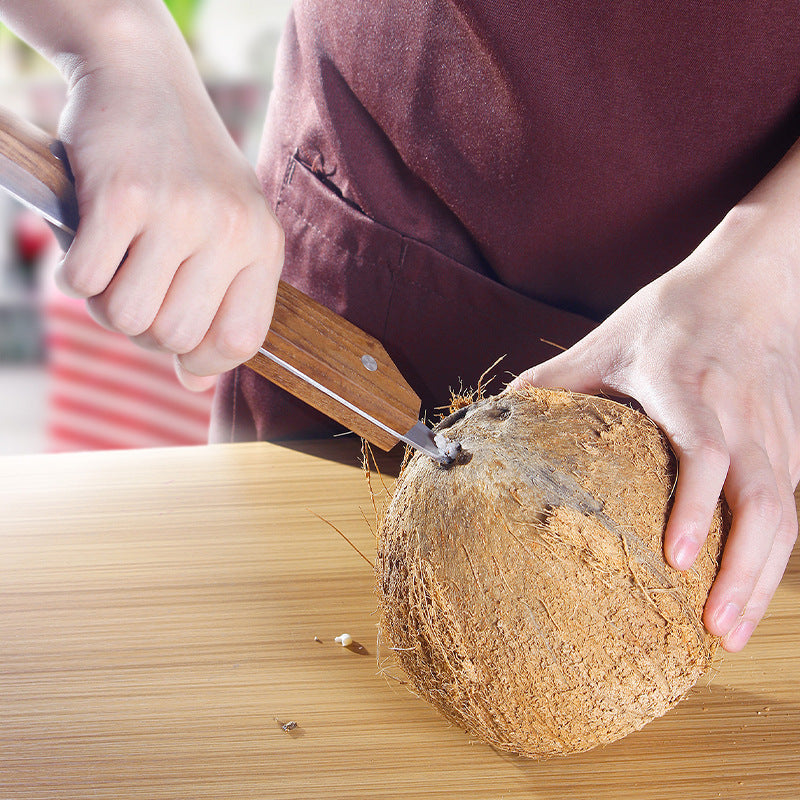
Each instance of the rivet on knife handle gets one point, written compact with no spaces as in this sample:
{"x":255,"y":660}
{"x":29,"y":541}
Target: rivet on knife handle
{"x":344,"y":360}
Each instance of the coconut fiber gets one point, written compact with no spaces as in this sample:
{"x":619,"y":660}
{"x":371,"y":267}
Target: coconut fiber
{"x":523,"y":588}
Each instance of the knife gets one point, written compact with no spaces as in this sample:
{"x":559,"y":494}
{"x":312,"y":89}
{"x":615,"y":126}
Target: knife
{"x":311,"y":352}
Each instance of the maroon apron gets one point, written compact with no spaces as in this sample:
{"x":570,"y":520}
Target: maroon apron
{"x":466,"y":179}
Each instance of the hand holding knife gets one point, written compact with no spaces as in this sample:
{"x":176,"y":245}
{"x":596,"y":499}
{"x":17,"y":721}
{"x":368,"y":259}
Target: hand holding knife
{"x":310,"y":351}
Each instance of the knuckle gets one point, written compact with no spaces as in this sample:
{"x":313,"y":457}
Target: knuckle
{"x":713,"y":451}
{"x":83,"y":281}
{"x":178,"y":339}
{"x":247,"y":221}
{"x":128,"y":198}
{"x":239,"y":343}
{"x":235,"y":217}
{"x":764,"y":501}
{"x":127,"y":319}
{"x":737,"y":582}
{"x":747,"y":578}
{"x":698,"y":519}
{"x":182,"y":341}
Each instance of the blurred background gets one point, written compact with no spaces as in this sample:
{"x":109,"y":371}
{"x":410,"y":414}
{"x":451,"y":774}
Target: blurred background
{"x":65,"y":383}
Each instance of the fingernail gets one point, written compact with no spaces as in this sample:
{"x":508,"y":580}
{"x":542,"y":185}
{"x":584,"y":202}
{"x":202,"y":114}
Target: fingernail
{"x":738,"y":638}
{"x":684,"y":553}
{"x":726,"y":618}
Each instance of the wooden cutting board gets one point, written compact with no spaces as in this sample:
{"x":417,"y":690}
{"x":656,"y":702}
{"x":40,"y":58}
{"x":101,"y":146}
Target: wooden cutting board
{"x":163,"y":613}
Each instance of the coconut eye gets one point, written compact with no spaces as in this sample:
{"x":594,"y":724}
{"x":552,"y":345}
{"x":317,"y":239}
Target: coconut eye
{"x":451,"y":420}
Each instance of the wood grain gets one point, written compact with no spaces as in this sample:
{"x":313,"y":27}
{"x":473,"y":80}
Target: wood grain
{"x":32,"y":149}
{"x":157,"y":616}
{"x":329,"y":349}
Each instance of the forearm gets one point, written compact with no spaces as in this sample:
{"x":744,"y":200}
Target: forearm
{"x":80,"y":37}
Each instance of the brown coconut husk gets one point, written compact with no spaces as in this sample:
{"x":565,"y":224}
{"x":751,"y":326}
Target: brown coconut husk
{"x":523,"y":588}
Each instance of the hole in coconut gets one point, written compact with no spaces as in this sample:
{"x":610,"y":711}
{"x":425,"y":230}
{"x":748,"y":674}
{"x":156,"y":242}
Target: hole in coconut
{"x":462,"y":457}
{"x":451,"y":419}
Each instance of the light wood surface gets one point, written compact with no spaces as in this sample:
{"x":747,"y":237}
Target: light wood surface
{"x":158,"y":615}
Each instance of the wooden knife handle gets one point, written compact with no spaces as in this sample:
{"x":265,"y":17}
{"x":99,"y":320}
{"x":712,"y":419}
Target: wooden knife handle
{"x":304,"y":334}
{"x":344,"y":359}
{"x":26,"y":148}
{"x":29,"y":147}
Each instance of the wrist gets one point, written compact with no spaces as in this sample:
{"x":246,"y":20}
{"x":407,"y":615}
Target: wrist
{"x":127,"y":38}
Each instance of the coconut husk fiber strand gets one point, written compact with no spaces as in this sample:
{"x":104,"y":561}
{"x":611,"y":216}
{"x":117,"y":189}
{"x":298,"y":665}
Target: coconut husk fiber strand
{"x":523,"y":588}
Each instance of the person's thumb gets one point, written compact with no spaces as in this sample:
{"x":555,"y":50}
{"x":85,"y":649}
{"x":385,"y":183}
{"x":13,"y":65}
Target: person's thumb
{"x":194,"y":383}
{"x":575,"y":370}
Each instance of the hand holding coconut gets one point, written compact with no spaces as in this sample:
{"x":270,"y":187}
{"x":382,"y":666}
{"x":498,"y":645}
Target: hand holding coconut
{"x":546,"y":591}
{"x":711,"y":351}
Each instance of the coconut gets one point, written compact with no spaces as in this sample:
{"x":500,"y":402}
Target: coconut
{"x":523,"y":588}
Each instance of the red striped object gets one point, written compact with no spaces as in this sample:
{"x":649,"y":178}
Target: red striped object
{"x":105,"y":393}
